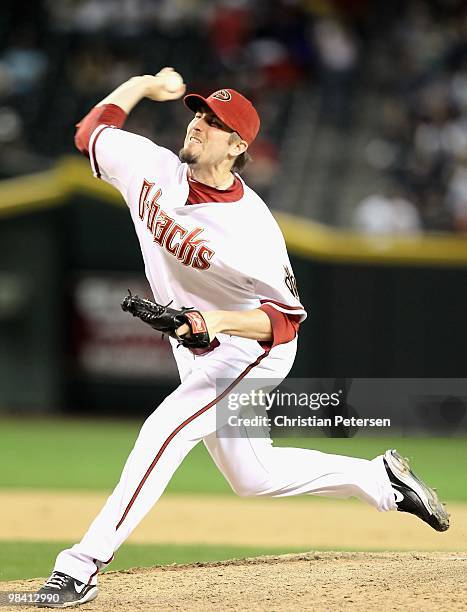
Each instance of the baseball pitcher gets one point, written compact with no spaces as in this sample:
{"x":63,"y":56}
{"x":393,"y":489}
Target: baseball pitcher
{"x":224,"y":292}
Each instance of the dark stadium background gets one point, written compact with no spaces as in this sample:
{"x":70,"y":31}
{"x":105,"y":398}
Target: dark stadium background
{"x":360,"y":99}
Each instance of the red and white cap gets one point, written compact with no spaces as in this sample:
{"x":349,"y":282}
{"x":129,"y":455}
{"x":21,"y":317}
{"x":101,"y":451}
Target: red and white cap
{"x":232,"y":108}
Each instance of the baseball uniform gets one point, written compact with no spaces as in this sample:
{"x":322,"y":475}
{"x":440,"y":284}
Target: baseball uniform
{"x":213,"y":250}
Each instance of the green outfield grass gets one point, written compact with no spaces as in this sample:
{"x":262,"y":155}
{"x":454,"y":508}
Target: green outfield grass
{"x":23,"y":560}
{"x":83,"y":454}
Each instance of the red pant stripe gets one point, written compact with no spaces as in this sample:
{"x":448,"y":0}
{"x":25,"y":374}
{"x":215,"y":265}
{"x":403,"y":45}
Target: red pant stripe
{"x":180,"y":427}
{"x":97,"y":568}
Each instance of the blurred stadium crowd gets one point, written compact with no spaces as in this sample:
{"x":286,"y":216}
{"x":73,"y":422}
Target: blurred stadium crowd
{"x":59,"y":57}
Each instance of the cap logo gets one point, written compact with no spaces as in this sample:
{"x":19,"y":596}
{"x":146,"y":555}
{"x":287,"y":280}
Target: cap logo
{"x":223,"y":95}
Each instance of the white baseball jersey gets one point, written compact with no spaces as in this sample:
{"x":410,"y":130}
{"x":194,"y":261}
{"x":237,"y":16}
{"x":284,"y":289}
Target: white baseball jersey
{"x":212,"y":256}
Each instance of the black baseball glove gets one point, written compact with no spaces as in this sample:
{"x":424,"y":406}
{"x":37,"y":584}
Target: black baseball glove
{"x":168,"y":320}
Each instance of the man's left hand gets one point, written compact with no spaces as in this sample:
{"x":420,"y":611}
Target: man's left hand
{"x":213,"y":321}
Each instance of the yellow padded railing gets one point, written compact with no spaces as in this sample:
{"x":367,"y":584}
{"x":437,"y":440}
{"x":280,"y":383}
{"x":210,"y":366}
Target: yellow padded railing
{"x":304,"y":237}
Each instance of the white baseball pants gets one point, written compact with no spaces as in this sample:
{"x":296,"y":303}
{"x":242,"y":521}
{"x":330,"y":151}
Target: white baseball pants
{"x":252,"y":466}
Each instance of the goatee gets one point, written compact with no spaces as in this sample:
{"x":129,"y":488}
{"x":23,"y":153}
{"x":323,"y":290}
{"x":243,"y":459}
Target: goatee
{"x":187,"y":157}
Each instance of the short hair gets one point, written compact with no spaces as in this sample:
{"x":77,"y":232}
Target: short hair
{"x":241,"y":160}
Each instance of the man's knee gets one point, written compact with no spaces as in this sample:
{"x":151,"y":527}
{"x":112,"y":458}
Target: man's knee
{"x":244,"y":491}
{"x":249,"y":488}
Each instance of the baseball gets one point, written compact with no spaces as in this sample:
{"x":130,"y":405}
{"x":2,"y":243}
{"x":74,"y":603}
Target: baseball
{"x":172,"y":81}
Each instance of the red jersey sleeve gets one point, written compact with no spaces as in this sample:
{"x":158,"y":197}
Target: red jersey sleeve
{"x":108,"y":114}
{"x":284,"y":326}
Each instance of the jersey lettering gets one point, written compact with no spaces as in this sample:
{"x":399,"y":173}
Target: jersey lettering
{"x":145,"y":189}
{"x":153,"y":210}
{"x":163,"y":224}
{"x":201,"y":261}
{"x":176,"y":229}
{"x":189,"y":249}
{"x":189,"y":246}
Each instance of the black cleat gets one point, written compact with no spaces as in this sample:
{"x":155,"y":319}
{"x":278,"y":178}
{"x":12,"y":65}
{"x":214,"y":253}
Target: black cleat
{"x":63,"y":591}
{"x":412,"y":494}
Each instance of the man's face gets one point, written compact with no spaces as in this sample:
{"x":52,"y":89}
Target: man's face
{"x":207,"y":140}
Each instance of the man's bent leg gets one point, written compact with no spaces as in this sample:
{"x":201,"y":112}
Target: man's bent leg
{"x":253,"y":467}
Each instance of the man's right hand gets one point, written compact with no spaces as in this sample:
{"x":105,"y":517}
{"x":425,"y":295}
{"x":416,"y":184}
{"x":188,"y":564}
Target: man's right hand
{"x":149,"y":86}
{"x":156,"y":86}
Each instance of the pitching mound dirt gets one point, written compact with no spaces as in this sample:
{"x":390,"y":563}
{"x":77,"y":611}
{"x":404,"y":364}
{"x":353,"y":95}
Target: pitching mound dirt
{"x":311,"y":581}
